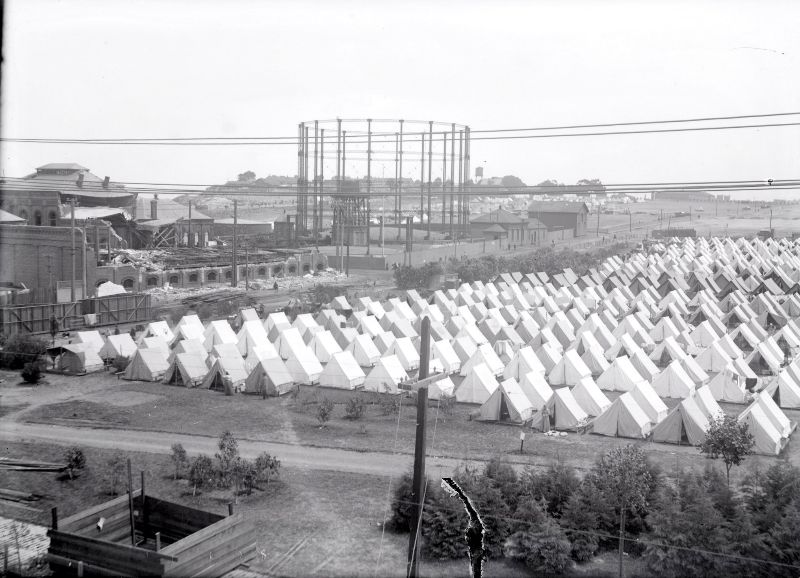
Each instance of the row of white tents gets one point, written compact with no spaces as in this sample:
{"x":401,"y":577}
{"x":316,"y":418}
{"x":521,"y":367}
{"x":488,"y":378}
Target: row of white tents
{"x":710,"y":321}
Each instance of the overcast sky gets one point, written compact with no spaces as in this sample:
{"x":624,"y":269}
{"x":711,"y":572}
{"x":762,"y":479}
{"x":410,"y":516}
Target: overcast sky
{"x":183,"y":68}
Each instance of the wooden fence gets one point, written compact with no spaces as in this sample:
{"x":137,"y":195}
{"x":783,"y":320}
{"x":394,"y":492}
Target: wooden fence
{"x":111,"y":310}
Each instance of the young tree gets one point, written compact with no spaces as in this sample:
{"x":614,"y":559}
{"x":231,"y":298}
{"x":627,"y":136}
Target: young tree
{"x":115,"y":469}
{"x":75,"y":461}
{"x":688,"y":520}
{"x":266,"y":467}
{"x":545,"y":550}
{"x":242,"y":474}
{"x":228,"y":453}
{"x":726,"y":438}
{"x":201,"y":472}
{"x":180,"y":459}
{"x":324,"y":411}
{"x":624,"y":478}
{"x":354,"y":408}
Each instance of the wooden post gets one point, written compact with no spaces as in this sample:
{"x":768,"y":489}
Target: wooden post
{"x":54,"y":518}
{"x":158,"y":541}
{"x":144,"y":508}
{"x":418,"y":494}
{"x":80,"y":569}
{"x":230,"y":508}
{"x":130,"y":504}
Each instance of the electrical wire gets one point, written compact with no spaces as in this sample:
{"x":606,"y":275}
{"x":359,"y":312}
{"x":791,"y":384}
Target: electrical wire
{"x":333,"y":137}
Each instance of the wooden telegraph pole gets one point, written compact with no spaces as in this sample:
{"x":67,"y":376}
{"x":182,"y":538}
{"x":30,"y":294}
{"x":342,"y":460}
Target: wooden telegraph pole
{"x":419,"y":483}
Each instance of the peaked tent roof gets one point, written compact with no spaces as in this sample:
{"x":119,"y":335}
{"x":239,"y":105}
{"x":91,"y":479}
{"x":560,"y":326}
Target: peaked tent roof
{"x":507,"y":403}
{"x":686,"y":423}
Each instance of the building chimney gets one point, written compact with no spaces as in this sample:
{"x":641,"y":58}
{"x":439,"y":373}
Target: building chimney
{"x":80,"y":181}
{"x":105,"y":182}
{"x":154,"y":208}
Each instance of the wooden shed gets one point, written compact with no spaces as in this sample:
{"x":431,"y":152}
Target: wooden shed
{"x":160,"y":538}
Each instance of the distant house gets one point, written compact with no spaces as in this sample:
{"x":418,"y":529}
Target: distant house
{"x":503,"y":224}
{"x":556,"y":215}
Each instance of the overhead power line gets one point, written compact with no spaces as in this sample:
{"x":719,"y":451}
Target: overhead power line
{"x":389,"y":136}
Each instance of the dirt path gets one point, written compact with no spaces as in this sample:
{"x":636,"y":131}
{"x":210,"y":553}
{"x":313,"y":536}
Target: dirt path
{"x":299,"y":456}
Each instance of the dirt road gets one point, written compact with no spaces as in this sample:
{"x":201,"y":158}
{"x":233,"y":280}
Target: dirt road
{"x":299,"y":456}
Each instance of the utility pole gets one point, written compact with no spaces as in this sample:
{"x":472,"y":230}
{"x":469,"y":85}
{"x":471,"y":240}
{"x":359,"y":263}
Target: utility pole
{"x":235,"y":268}
{"x":419,"y":483}
{"x":72,"y":229}
{"x":598,"y":220}
{"x":430,"y":164}
{"x":369,"y":180}
{"x":246,"y":262}
{"x":189,"y":230}
{"x":84,"y":292}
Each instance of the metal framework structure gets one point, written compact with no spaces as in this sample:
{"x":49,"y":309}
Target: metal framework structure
{"x":357,"y":149}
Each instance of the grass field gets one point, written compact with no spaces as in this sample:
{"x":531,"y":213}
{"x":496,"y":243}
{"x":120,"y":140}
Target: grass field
{"x":155,"y":407}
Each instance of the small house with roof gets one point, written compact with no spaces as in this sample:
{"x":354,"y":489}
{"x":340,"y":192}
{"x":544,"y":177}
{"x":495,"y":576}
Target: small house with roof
{"x":560,"y":215}
{"x":513,"y":228}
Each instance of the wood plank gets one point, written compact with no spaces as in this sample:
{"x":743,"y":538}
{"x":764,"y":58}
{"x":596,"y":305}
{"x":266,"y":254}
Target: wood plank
{"x":64,"y":525}
{"x":65,"y":566}
{"x":180,"y":546}
{"x":109,"y":547}
{"x":241,"y":547}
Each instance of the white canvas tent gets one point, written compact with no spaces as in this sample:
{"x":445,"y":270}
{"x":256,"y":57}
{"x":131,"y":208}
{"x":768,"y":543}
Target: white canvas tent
{"x":685,"y":424}
{"x":728,"y":386}
{"x":478,"y":386}
{"x":536,"y":389}
{"x":784,"y":391}
{"x":269,"y":377}
{"x":655,"y":409}
{"x":569,"y":370}
{"x":324,"y":345}
{"x":674,"y":382}
{"x":76,"y":358}
{"x":624,"y":418}
{"x":523,"y":362}
{"x":194,"y":346}
{"x":342,"y":372}
{"x":593,"y":401}
{"x":121,"y":345}
{"x":364,"y":351}
{"x":446,"y":356}
{"x":159,"y":329}
{"x":766,"y":436}
{"x":507,"y":404}
{"x":620,"y":376}
{"x":227,"y":374}
{"x":386,"y":376}
{"x":187,"y":369}
{"x":484,"y":355}
{"x":252,"y":334}
{"x":405,"y":351}
{"x":706,"y":402}
{"x":147,"y":365}
{"x":303,"y":365}
{"x":92,"y":339}
{"x":441,"y":389}
{"x":189,"y":327}
{"x":562,"y":411}
{"x":218,"y":332}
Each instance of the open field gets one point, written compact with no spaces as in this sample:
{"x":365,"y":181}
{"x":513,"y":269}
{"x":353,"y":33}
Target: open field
{"x":102,"y":401}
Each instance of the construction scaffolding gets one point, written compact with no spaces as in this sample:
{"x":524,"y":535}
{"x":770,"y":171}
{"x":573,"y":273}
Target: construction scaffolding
{"x":414,"y":149}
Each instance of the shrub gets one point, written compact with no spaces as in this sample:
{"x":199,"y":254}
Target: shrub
{"x":389,"y":404}
{"x":354,"y":409}
{"x":21,"y":349}
{"x":180,"y":459}
{"x":75,"y":460}
{"x":546,"y":551}
{"x":201,"y":472}
{"x":120,"y":362}
{"x":31,"y":373}
{"x":324,"y":411}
